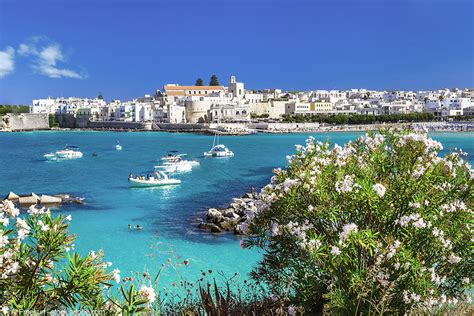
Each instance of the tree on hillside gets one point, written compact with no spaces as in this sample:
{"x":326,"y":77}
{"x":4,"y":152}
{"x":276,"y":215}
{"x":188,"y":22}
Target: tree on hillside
{"x":214,"y":81}
{"x":199,"y":82}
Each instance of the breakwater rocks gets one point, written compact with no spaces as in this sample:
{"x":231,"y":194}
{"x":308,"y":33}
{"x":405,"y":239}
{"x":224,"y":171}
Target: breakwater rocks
{"x":232,"y":218}
{"x":44,"y":200}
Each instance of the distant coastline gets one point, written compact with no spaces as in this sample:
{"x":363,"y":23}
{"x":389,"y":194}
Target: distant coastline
{"x":32,"y":122}
{"x":463,"y":127}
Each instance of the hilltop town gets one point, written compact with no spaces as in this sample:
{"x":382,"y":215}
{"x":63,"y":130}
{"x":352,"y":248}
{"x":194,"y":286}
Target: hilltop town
{"x":215,"y":103}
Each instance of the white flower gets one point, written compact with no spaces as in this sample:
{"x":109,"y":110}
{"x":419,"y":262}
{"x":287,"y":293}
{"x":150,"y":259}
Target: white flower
{"x":147,"y":293}
{"x":22,"y":233}
{"x":10,"y":209}
{"x":393,"y":249}
{"x":5,"y":310}
{"x":92,"y":254}
{"x":20,"y":223}
{"x":3,"y":241}
{"x":291,"y":310}
{"x":4,"y":220}
{"x":275,"y":229}
{"x":466,"y":280}
{"x":453,"y":259}
{"x":14,"y":267}
{"x":335,"y":251}
{"x":419,"y":223}
{"x":346,"y":231}
{"x":418,"y":172}
{"x":116,"y":275}
{"x":314,"y":244}
{"x":379,"y":189}
{"x":414,"y":205}
{"x":44,"y":227}
{"x":347,"y":184}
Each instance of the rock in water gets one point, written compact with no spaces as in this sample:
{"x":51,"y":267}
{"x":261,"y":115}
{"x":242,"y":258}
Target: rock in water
{"x":12,"y":196}
{"x":213,"y":228}
{"x":47,"y":199}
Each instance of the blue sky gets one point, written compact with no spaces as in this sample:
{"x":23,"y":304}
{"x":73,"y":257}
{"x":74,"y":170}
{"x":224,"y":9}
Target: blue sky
{"x":126,"y":49}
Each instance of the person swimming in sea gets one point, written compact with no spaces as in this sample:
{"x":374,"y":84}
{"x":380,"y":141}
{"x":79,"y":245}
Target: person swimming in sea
{"x":138,"y":227}
{"x":129,"y":226}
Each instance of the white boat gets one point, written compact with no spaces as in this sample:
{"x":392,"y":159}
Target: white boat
{"x":173,"y":156}
{"x":174,"y":162}
{"x":159,"y":179}
{"x":69,"y":152}
{"x":118,"y":147}
{"x":218,"y":150}
{"x":175,"y":167}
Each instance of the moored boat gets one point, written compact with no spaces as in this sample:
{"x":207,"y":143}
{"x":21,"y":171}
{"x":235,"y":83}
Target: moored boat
{"x":174,"y":162}
{"x":219,"y":150}
{"x":159,"y":179}
{"x":175,"y":167}
{"x":69,"y":152}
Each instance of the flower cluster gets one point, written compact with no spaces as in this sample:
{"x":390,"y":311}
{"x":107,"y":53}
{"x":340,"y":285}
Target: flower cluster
{"x":147,"y":293}
{"x":347,"y":185}
{"x":382,"y":221}
{"x":30,"y":244}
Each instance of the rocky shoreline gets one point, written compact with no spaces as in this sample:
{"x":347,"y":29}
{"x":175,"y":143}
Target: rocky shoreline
{"x":231,"y":218}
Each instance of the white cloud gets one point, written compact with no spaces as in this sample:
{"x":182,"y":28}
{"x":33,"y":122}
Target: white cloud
{"x":7,"y":61}
{"x":46,"y":58}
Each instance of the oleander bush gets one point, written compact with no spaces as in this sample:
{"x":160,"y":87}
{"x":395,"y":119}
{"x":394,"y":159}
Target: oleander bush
{"x":380,"y":225}
{"x":38,"y":270}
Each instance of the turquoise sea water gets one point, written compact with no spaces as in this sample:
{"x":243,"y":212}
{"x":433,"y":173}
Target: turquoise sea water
{"x":169,"y":214}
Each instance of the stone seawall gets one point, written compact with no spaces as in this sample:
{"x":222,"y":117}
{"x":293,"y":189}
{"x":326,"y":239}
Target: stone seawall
{"x":120,"y":125}
{"x":179,"y":126}
{"x":24,"y":122}
{"x":69,"y":121}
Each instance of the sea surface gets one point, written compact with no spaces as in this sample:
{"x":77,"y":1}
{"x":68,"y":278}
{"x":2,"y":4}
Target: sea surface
{"x":168,"y":215}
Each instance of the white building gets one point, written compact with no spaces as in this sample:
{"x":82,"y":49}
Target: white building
{"x":236,"y":88}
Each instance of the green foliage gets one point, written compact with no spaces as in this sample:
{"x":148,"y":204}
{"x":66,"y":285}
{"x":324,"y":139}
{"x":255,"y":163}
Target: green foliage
{"x":37,"y":271}
{"x":214,"y":81}
{"x":380,"y":225}
{"x":53,"y":120}
{"x":358,"y":119}
{"x":4,"y":109}
{"x":255,"y":116}
{"x":199,"y":82}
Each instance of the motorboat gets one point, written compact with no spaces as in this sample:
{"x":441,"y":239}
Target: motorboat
{"x":172,"y":154}
{"x":174,"y":162}
{"x":158,"y":179}
{"x":69,"y":152}
{"x":118,"y":146}
{"x":219,"y":150}
{"x":175,"y":167}
{"x":174,"y":157}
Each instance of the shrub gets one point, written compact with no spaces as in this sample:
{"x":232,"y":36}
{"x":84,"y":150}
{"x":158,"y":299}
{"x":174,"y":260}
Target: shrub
{"x":383,"y":224}
{"x":37,"y":270}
